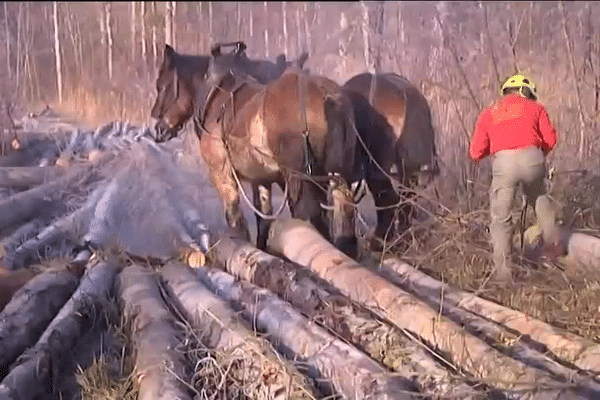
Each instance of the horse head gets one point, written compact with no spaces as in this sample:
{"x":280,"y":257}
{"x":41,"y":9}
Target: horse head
{"x":179,"y":82}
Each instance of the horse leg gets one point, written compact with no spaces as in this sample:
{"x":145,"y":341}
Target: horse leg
{"x":221,"y":175}
{"x":385,"y":198}
{"x":342,"y":217}
{"x":262,"y":201}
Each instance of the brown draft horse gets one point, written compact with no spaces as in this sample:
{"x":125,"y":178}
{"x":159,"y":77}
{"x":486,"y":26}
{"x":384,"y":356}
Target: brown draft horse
{"x":262,"y":127}
{"x":394,"y":120}
{"x":181,"y":77}
{"x":294,"y":129}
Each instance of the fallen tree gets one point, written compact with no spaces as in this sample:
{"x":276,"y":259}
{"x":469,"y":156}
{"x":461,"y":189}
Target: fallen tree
{"x":159,"y":367}
{"x":332,"y":362}
{"x":33,"y":373}
{"x":324,"y":304}
{"x":220,"y":328}
{"x":574,"y":349}
{"x":300,"y":242}
{"x":26,"y":177}
{"x":30,"y":311}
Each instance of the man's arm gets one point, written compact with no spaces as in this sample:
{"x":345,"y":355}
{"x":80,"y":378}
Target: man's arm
{"x":480,"y":143}
{"x":547,"y":131}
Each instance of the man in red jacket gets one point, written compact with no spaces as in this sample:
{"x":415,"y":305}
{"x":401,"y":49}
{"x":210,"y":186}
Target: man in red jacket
{"x":517,"y":132}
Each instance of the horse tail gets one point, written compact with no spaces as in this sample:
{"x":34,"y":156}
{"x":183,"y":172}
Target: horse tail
{"x":340,"y":143}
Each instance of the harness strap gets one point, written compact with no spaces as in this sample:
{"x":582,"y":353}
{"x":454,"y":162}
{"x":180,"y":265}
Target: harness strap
{"x":309,"y":157}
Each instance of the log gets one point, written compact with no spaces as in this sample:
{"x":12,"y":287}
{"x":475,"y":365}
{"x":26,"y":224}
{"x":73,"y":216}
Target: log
{"x":19,"y":236}
{"x":333,"y":363}
{"x":220,"y":328}
{"x":32,"y":374}
{"x":583,"y":252}
{"x":26,"y":177}
{"x":159,"y":367}
{"x":494,"y":334}
{"x":30,"y":311}
{"x":63,"y":229}
{"x":11,"y":282}
{"x":300,"y":242}
{"x":26,"y":205}
{"x":323,"y":303}
{"x":581,"y":352}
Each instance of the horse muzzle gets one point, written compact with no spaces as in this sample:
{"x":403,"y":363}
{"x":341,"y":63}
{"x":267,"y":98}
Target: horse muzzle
{"x":163,"y":131}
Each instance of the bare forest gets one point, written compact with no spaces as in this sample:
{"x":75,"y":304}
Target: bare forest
{"x":98,"y":61}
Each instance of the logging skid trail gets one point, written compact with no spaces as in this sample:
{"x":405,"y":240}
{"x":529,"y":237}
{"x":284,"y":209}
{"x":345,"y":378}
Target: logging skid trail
{"x":120,"y":280}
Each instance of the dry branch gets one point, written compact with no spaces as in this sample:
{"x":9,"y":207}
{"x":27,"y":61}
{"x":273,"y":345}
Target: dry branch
{"x":404,"y":310}
{"x":220,"y":328}
{"x":30,"y":311}
{"x":575,"y":349}
{"x":159,"y":366}
{"x":318,"y":300}
{"x":331,"y":361}
{"x":34,"y":372}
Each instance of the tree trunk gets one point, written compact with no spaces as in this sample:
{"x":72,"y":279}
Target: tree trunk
{"x":133,"y":25}
{"x":211,"y":37}
{"x":285,"y":30}
{"x":238,"y":13}
{"x":33,"y":376}
{"x":350,"y":372}
{"x":169,"y":23}
{"x":143,"y":31}
{"x":7,"y":39}
{"x":220,"y":328}
{"x":300,"y":242}
{"x":174,"y":23}
{"x":154,"y":39}
{"x":109,"y":38}
{"x":266,"y":28}
{"x":583,"y":353}
{"x":159,"y":367}
{"x":30,"y":311}
{"x":323,"y":303}
{"x":26,"y":177}
{"x":57,"y":58}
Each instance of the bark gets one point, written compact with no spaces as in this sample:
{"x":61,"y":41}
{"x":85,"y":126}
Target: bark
{"x":583,"y":252}
{"x":11,"y":282}
{"x":57,"y":56}
{"x":218,"y":327}
{"x":143,"y":31}
{"x":158,"y":365}
{"x":109,"y":38}
{"x":404,"y":310}
{"x":132,"y":27}
{"x":169,"y":23}
{"x":330,"y":360}
{"x":37,"y":201}
{"x":285,"y":30}
{"x":7,"y":40}
{"x":34,"y":372}
{"x":323,"y":303}
{"x":510,"y":343}
{"x":30,"y":311}
{"x":26,"y":177}
{"x":266,"y":28}
{"x":583,"y":353}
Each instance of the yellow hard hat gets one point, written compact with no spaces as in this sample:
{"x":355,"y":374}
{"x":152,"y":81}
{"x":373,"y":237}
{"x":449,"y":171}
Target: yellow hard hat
{"x":520,"y":81}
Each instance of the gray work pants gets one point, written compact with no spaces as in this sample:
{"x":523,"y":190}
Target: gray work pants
{"x":509,"y":169}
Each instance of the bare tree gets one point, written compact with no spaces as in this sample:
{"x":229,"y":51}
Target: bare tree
{"x":59,"y":78}
{"x":169,"y":23}
{"x":109,"y":38}
{"x":210,"y":23}
{"x":154,"y":44}
{"x":238,"y":12}
{"x":7,"y":40}
{"x":484,"y":10}
{"x":575,"y":80}
{"x":266,"y":27}
{"x":143,"y":31}
{"x":372,"y":30}
{"x":133,"y":30}
{"x":285,"y":30}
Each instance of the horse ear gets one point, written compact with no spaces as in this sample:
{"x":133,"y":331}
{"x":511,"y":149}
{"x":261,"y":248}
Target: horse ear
{"x":168,"y":55}
{"x":280,"y":61}
{"x":215,"y":51}
{"x":302,"y":59}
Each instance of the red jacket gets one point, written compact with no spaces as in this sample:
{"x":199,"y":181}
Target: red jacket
{"x":514,"y":122}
